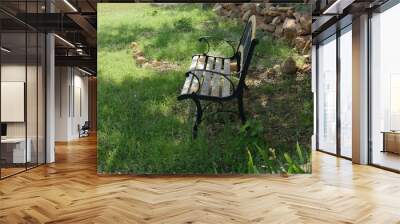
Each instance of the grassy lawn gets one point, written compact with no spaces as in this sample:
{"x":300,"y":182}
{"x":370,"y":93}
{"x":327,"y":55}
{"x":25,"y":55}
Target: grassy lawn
{"x":142,"y":127}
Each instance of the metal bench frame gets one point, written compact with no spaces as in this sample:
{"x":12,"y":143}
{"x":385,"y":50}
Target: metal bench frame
{"x":240,"y":73}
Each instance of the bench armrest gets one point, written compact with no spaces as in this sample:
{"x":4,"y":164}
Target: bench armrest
{"x":208,"y":39}
{"x":192,"y":72}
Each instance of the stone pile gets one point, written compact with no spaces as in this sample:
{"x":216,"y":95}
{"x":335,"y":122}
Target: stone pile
{"x":283,"y":22}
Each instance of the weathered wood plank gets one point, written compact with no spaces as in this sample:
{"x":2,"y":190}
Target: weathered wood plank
{"x":216,"y":79}
{"x":226,"y":85}
{"x":195,"y":83}
{"x":189,"y":79}
{"x":205,"y":87}
{"x":194,"y":62}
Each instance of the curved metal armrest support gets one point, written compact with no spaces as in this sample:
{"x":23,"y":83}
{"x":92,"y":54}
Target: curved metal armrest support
{"x":195,"y":76}
{"x":207,"y":39}
{"x":192,"y":72}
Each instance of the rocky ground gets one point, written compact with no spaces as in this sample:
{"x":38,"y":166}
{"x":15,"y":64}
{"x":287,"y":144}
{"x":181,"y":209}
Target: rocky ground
{"x":282,"y":22}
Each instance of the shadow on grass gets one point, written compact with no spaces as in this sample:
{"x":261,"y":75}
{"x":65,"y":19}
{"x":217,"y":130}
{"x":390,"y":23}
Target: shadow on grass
{"x":115,"y":38}
{"x":144,"y":129}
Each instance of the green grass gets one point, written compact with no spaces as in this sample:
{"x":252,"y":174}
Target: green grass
{"x":144,"y":129}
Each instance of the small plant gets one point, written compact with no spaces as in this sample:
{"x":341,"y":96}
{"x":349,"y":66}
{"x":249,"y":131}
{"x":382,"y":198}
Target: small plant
{"x":251,"y":168}
{"x":184,"y":24}
{"x":299,"y":163}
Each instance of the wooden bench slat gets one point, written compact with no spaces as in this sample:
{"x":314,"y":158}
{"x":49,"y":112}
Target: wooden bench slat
{"x":189,"y":79}
{"x":215,"y":81}
{"x":226,"y":85}
{"x":195,"y":82}
{"x":194,"y":62}
{"x":205,"y":87}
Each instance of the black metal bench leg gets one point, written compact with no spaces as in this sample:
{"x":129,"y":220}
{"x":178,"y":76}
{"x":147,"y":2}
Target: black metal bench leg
{"x":246,"y":87}
{"x":199,"y":114}
{"x":241,"y":110}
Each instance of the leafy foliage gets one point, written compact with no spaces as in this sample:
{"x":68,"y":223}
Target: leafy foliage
{"x":270,"y":163}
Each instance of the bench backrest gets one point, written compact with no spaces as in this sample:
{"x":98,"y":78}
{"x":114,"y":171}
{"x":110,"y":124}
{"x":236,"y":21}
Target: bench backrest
{"x":246,"y":49}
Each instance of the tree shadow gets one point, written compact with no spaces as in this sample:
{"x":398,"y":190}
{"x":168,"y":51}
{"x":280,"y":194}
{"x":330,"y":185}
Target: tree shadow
{"x":115,"y":38}
{"x":144,"y":129}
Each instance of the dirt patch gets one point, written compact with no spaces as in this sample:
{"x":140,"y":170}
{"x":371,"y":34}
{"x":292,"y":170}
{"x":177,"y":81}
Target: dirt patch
{"x":142,"y":61}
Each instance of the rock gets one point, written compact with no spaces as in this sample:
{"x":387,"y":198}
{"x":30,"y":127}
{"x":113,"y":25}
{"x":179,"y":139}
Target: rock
{"x":290,"y":14}
{"x":259,"y":19}
{"x":271,"y":73}
{"x":137,"y":54}
{"x":156,"y":63}
{"x":300,"y":43}
{"x":273,"y":13}
{"x":268,"y":27}
{"x":218,"y":9}
{"x":147,"y":65}
{"x":134,"y":45}
{"x":306,"y":68}
{"x":289,"y":29}
{"x":140,"y":60}
{"x":289,"y":66}
{"x":297,"y":16}
{"x":284,"y":8}
{"x":228,"y":13}
{"x":307,"y":47}
{"x":305,"y":22}
{"x":307,"y":58}
{"x":259,"y":8}
{"x":246,"y":15}
{"x":278,"y":31}
{"x":268,"y":19}
{"x":277,"y":68}
{"x":264,"y":12}
{"x":235,"y":13}
{"x":248,"y":6}
{"x":276,"y":20}
{"x":229,"y":6}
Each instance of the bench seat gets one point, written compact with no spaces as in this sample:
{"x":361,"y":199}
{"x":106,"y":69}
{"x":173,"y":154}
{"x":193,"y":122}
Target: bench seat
{"x":209,"y":78}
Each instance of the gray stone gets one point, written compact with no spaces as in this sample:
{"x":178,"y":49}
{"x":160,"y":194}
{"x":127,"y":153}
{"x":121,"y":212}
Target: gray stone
{"x":276,"y":20}
{"x":289,"y":29}
{"x":268,"y":19}
{"x":273,"y":13}
{"x":289,"y":66}
{"x":307,"y":47}
{"x":305,"y":22}
{"x":218,"y":9}
{"x":278,"y":31}
{"x":300,"y":43}
{"x":259,"y":8}
{"x":277,"y":68}
{"x":284,"y":8}
{"x":264,"y":11}
{"x":297,"y":16}
{"x":246,"y":15}
{"x":268,"y":27}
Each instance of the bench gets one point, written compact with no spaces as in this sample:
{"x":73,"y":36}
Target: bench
{"x":84,"y":129}
{"x":210,"y":77}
